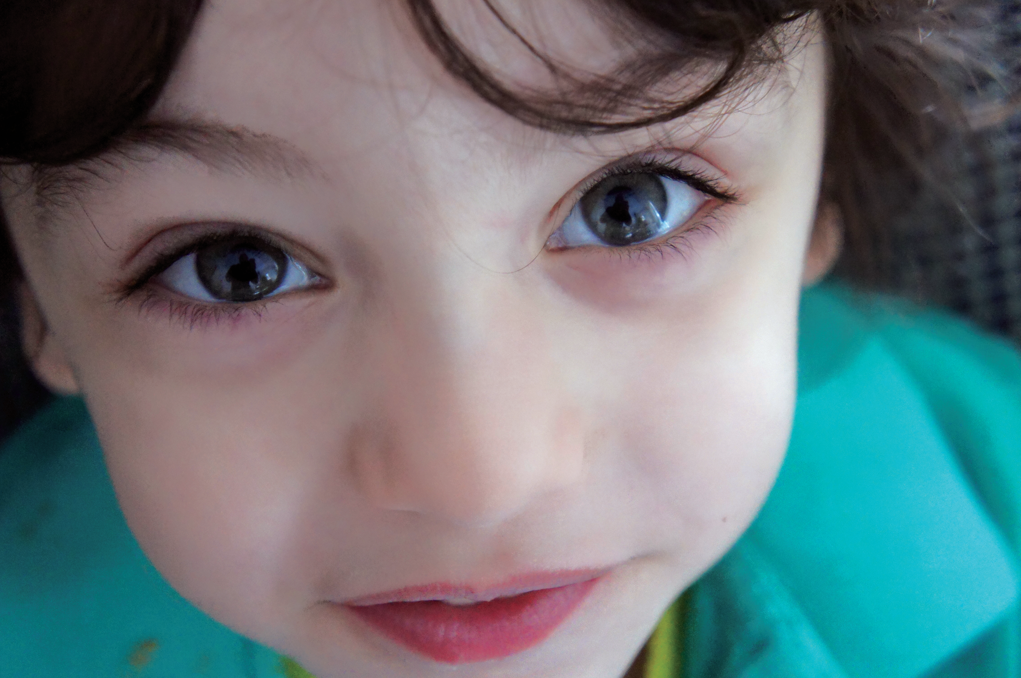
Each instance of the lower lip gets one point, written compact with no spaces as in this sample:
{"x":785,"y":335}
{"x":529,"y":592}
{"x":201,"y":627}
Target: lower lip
{"x":460,"y":634}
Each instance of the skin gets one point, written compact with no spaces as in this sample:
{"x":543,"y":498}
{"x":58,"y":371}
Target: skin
{"x":457,"y":403}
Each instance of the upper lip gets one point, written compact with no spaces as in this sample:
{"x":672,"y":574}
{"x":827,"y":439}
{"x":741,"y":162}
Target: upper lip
{"x":468,"y":593}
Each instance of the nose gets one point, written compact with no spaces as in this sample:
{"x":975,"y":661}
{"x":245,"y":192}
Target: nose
{"x":475,"y":424}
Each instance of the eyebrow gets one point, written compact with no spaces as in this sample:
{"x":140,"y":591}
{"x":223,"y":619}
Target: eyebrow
{"x":223,"y":148}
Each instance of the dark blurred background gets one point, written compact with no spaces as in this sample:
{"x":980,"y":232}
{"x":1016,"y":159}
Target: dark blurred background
{"x":20,"y":393}
{"x":971,"y":262}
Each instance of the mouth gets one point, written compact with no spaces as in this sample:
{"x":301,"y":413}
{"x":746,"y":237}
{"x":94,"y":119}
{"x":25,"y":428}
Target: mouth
{"x":461,"y":624}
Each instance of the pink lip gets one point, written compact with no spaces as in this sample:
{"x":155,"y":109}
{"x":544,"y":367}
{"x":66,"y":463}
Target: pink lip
{"x":504,"y":620}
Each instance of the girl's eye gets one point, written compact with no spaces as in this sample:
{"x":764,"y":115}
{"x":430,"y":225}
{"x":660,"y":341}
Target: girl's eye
{"x":235,"y":270}
{"x":628,"y":209}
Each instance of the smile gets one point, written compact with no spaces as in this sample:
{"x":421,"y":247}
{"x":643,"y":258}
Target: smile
{"x":457,"y":625}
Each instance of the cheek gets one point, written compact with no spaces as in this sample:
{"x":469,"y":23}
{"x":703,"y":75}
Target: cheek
{"x":212,"y":491}
{"x":703,"y":423}
{"x":713,"y":453}
{"x":709,"y":463}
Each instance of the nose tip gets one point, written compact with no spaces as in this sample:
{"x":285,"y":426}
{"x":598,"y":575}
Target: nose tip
{"x":474,"y":477}
{"x":478,"y":420}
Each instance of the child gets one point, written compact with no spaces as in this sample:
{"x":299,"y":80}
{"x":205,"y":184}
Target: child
{"x":462,"y":339}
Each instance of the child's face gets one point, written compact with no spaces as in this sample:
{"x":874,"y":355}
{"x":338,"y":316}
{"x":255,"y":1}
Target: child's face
{"x":437,"y":399}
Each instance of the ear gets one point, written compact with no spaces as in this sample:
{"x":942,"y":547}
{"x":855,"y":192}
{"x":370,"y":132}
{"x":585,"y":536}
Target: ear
{"x":825,"y":245}
{"x":44,"y":354}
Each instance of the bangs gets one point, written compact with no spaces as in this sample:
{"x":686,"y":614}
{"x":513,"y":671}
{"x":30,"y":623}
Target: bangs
{"x":726,"y":47}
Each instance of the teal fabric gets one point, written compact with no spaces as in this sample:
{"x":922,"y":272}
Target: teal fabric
{"x":883,"y":549}
{"x":887,"y":548}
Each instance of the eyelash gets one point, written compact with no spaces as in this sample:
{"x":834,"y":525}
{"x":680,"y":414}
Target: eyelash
{"x":195,"y":314}
{"x":678,"y":241}
{"x":198,"y":315}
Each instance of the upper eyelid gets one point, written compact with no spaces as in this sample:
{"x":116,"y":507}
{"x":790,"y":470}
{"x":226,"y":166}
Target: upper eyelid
{"x":653,"y":161}
{"x":658,"y":161}
{"x":166,"y":256}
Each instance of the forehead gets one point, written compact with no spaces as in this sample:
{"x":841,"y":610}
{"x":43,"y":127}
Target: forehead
{"x":358,"y":73}
{"x":353,"y":71}
{"x":373,"y":44}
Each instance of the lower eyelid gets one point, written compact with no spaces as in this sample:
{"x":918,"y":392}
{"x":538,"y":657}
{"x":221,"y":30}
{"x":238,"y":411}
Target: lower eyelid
{"x":680,"y":248}
{"x":167,"y":304}
{"x":192,"y":315}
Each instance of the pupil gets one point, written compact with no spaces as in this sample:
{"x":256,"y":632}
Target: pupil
{"x":620,"y":210}
{"x":626,"y":210}
{"x":240,"y":270}
{"x":243,"y":274}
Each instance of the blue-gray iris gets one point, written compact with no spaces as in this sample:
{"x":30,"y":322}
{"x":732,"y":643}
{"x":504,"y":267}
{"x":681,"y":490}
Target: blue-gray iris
{"x":627,"y":209}
{"x":240,"y":270}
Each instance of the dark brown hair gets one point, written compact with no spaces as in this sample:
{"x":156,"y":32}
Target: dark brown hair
{"x":73,"y":76}
{"x":77,"y":74}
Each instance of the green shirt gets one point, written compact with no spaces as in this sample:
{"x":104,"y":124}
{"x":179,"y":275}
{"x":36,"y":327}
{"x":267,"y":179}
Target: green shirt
{"x":887,"y":548}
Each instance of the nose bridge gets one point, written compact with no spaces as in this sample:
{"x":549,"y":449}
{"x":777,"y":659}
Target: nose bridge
{"x":479,"y":425}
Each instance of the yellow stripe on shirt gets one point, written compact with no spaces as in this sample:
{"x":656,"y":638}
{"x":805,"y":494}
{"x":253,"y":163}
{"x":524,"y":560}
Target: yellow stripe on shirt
{"x":664,"y":657}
